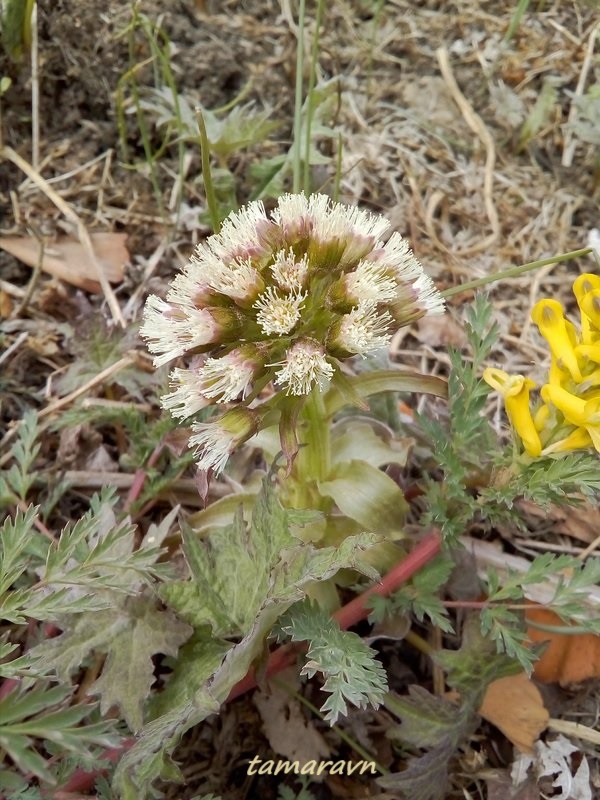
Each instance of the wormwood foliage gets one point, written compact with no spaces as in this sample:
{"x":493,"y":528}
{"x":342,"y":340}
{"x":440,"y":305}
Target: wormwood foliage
{"x":572,"y":580}
{"x":347,"y":664}
{"x":40,"y":713}
{"x":463,"y":446}
{"x":420,"y":596}
{"x":241,"y":580}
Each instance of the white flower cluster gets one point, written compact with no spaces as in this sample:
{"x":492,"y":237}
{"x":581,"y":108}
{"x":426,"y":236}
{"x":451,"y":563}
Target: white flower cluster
{"x":282,"y":298}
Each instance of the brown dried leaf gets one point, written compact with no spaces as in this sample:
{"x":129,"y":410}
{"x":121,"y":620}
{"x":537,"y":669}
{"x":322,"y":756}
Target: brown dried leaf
{"x":6,"y":305}
{"x":440,"y":331}
{"x":500,"y":787}
{"x":67,"y":259}
{"x":289,"y":733}
{"x":515,"y":706}
{"x":567,"y":658}
{"x":580,"y":522}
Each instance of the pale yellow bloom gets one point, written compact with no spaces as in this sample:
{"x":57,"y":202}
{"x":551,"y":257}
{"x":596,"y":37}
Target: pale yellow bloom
{"x":548,"y":315}
{"x":578,"y":439}
{"x":582,"y":287}
{"x":576,"y":410}
{"x":515,"y":390}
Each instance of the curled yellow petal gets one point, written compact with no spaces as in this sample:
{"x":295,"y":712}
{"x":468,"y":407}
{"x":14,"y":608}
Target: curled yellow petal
{"x":579,"y":439}
{"x":496,"y":378}
{"x":583,"y":285}
{"x":571,"y":406}
{"x":590,"y":306}
{"x":541,"y":417}
{"x":515,"y":391}
{"x":591,"y":351}
{"x":549,"y":317}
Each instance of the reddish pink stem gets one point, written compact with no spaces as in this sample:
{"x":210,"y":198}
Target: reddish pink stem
{"x":357,"y":609}
{"x":352,"y":612}
{"x":284,"y":656}
{"x":139,"y":479}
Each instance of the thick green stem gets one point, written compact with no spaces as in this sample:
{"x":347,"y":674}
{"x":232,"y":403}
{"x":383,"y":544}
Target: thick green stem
{"x":316,"y":436}
{"x":314,"y":457}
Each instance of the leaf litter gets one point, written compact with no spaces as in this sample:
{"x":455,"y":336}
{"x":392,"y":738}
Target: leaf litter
{"x":409,"y":149}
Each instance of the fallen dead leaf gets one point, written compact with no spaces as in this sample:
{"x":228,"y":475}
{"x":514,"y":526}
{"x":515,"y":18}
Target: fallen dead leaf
{"x":440,"y":331}
{"x":579,"y":522}
{"x":501,"y":787}
{"x":67,"y":259}
{"x":568,"y":658}
{"x":515,"y":706}
{"x":289,"y":733}
{"x":6,"y":305}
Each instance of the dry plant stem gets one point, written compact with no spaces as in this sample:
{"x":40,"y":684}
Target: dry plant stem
{"x":18,"y":312}
{"x":35,"y":91}
{"x":126,"y":361}
{"x":574,"y":729}
{"x":478,"y":127}
{"x":84,"y":237}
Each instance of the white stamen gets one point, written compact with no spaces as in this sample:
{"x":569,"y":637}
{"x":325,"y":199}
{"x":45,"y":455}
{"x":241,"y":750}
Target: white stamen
{"x":173,"y":330}
{"x":370,"y":282}
{"x":213,"y":445}
{"x":289,"y":271}
{"x":186,"y":398}
{"x":227,"y":377}
{"x":278,"y":313}
{"x":305,"y":365}
{"x":364,"y":331}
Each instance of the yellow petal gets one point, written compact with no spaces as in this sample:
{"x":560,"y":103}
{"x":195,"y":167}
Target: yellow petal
{"x":579,"y":439}
{"x":548,"y":316}
{"x":582,"y":286}
{"x":496,"y":378}
{"x":557,"y":375}
{"x":571,"y":406}
{"x":592,"y":411}
{"x":590,"y":306}
{"x":594,"y":433}
{"x":541,"y":417}
{"x":516,"y":402}
{"x":515,"y":391}
{"x":591,"y":351}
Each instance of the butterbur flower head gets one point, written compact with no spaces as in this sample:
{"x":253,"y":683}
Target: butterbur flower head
{"x":281,"y":298}
{"x":364,"y":330}
{"x":278,"y":313}
{"x":305,"y":365}
{"x":215,"y":441}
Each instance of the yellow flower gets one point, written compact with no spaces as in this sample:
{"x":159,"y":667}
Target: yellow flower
{"x":589,"y":351}
{"x":578,"y":439}
{"x":576,"y":410}
{"x":541,"y":417}
{"x":590,"y":307}
{"x":515,"y":391}
{"x":549,"y":317}
{"x":583,"y":286}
